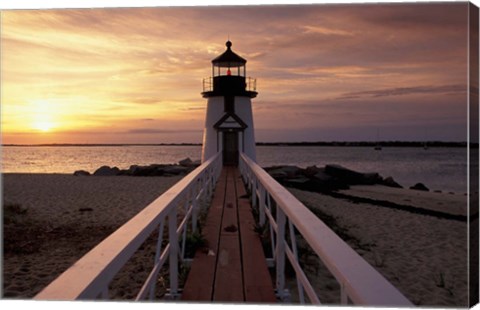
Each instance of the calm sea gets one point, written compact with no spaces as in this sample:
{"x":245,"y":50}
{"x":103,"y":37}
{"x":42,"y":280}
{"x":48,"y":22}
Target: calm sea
{"x":438,"y":168}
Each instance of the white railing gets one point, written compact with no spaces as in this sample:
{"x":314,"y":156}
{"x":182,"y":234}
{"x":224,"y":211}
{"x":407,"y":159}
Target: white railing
{"x":90,"y":277}
{"x":359,"y":282}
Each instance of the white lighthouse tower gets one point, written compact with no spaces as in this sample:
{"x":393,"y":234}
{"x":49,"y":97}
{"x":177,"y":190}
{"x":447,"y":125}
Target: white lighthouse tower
{"x":229,"y":120}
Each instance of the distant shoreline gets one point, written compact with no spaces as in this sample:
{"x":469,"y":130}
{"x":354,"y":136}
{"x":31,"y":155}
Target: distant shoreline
{"x":338,"y":143}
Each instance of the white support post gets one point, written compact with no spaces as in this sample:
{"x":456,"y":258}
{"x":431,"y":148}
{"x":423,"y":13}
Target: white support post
{"x":261,"y":205}
{"x":194,"y":215}
{"x":280,"y":253}
{"x":105,"y":293}
{"x":173,"y":259}
{"x":272,"y":233}
{"x":254,"y":192}
{"x":343,"y":295}
{"x":293,"y":239}
{"x":158,"y":252}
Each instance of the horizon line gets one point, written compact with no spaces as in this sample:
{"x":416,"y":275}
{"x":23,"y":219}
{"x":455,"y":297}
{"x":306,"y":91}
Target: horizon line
{"x":313,"y":143}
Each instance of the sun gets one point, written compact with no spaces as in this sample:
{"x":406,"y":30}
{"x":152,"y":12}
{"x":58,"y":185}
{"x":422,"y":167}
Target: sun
{"x":42,"y":115}
{"x":43,"y":126}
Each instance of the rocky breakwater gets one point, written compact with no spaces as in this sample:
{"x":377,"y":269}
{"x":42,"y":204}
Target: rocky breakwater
{"x":326,"y":179}
{"x":183,"y":167}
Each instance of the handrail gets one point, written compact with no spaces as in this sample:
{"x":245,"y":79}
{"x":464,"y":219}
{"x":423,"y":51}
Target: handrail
{"x":90,"y":276}
{"x":250,"y":84}
{"x":359,"y":282}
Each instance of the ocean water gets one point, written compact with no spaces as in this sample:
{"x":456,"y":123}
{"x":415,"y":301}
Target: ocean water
{"x":438,"y":168}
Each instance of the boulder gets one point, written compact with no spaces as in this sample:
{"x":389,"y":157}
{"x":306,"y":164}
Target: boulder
{"x":297,"y":182}
{"x":149,"y":171}
{"x":312,"y":170}
{"x":133,"y":169}
{"x":187,"y":162}
{"x":322,"y":177}
{"x":419,"y":187}
{"x":390,"y":182}
{"x":277,"y":174}
{"x":344,"y":175}
{"x":79,"y":173}
{"x":326,"y":182}
{"x":371,"y":178}
{"x":175,"y":170}
{"x":282,"y":172}
{"x":106,"y":171}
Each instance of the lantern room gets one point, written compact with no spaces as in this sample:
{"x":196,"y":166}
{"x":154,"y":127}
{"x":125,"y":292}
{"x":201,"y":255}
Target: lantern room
{"x":229,"y":63}
{"x":229,"y":76}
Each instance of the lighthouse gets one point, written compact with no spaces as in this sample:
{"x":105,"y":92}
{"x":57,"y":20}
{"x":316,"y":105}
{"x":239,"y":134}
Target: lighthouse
{"x":229,"y":120}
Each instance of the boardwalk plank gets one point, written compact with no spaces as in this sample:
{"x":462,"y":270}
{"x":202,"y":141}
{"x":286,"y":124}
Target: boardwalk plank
{"x":257,"y":281}
{"x":229,"y":280}
{"x":199,"y":284}
{"x":238,"y":271}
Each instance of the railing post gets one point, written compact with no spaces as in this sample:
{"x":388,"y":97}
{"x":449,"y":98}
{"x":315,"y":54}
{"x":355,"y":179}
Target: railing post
{"x":261,"y":205}
{"x":105,"y":293}
{"x":343,"y":295}
{"x":194,"y":215}
{"x":280,"y":253}
{"x":254,"y":192}
{"x":173,"y":258}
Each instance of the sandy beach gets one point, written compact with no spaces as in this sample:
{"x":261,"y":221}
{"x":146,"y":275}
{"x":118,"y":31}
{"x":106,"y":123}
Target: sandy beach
{"x":424,"y":256}
{"x":65,"y":217}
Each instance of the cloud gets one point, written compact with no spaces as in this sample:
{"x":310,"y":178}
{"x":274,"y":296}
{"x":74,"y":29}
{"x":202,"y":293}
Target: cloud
{"x":159,"y":131}
{"x":327,"y":31}
{"x":401,"y":91}
{"x":333,"y":64}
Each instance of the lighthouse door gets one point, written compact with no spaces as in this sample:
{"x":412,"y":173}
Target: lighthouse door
{"x":230,"y":148}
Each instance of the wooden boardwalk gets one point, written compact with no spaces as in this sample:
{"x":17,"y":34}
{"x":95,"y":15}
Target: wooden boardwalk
{"x":233,"y":268}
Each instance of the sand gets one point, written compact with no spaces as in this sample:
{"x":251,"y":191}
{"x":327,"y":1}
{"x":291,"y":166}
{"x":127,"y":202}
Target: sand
{"x":424,"y":256}
{"x":54,"y":232}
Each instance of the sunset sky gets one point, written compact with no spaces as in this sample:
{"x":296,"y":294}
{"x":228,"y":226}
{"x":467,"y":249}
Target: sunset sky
{"x":324,"y":72}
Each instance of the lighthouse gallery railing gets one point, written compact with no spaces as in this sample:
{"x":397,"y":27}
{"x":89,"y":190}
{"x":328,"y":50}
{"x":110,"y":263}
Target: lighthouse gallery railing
{"x":89,"y":277}
{"x":359,"y":282}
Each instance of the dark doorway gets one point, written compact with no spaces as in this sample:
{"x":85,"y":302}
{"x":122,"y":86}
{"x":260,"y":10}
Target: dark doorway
{"x":230,"y":148}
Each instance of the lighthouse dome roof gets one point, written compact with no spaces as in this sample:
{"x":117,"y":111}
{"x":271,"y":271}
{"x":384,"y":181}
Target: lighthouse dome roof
{"x":228,"y":58}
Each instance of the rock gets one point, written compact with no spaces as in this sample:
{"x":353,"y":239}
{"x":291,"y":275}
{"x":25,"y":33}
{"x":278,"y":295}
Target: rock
{"x":277,"y":174}
{"x":371,"y":178}
{"x":148,"y":171}
{"x":345,"y":175}
{"x":420,"y":187}
{"x":197,"y":163}
{"x":175,"y":170}
{"x":106,"y":171}
{"x":326,"y":182}
{"x":312,"y":170}
{"x":282,"y":172}
{"x":133,"y":169}
{"x":85,"y":209}
{"x":187,"y":162}
{"x":81,"y":173}
{"x":297,"y":182}
{"x":322,"y":177}
{"x":389,"y":181}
